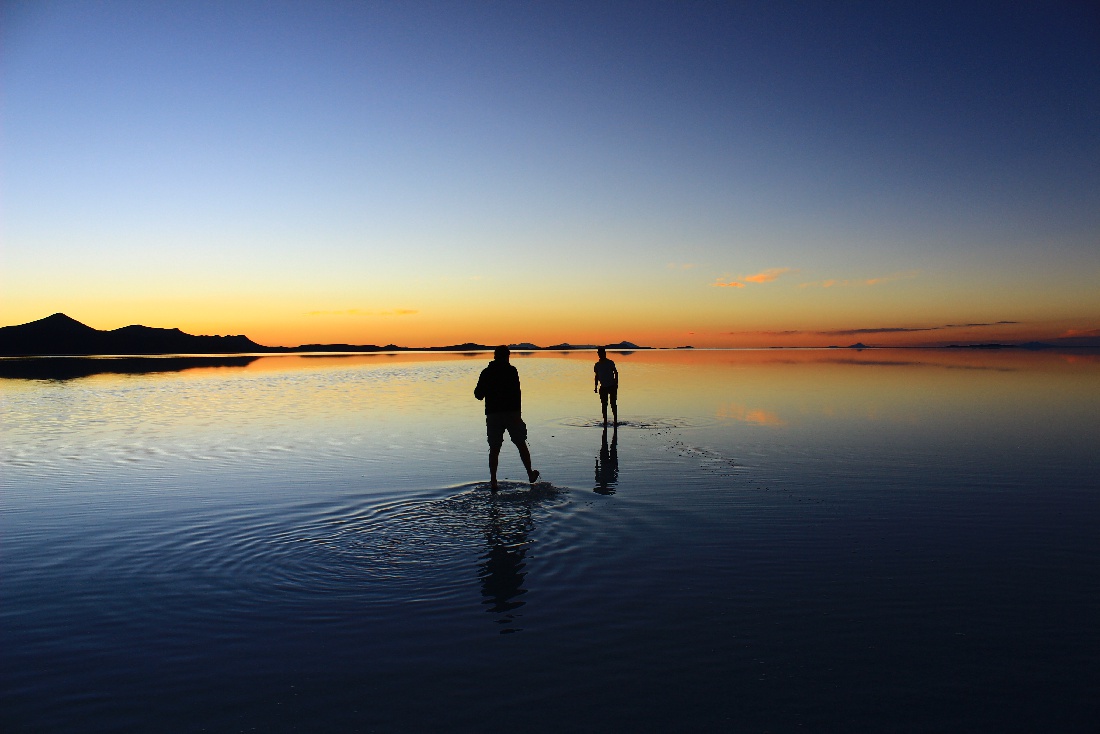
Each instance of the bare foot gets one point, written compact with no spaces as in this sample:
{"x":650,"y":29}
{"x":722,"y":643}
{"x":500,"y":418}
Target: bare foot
{"x":493,"y":486}
{"x":533,"y":475}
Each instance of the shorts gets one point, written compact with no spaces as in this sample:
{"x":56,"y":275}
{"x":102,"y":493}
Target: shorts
{"x":497,"y":423}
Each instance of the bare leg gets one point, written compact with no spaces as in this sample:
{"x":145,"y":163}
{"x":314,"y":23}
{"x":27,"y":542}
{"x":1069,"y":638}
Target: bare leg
{"x":494,"y":459}
{"x":525,"y":456}
{"x":614,"y":409}
{"x":603,"y":405}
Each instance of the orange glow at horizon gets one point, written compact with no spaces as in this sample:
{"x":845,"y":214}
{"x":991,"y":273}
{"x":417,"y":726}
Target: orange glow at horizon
{"x":720,"y":322}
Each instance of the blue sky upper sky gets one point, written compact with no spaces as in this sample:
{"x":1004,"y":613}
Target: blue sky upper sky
{"x":713,"y":173}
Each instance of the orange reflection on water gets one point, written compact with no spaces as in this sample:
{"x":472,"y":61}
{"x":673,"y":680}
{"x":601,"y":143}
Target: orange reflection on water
{"x":747,"y":415}
{"x":773,"y":388}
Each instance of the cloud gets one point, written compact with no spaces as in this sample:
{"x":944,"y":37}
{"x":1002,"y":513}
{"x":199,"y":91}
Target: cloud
{"x":833,"y":282}
{"x":788,"y":332}
{"x":361,"y":312}
{"x":879,"y":330}
{"x":682,"y":266}
{"x":766,"y":276}
{"x":1081,"y":332}
{"x":908,"y":329}
{"x":875,"y":330}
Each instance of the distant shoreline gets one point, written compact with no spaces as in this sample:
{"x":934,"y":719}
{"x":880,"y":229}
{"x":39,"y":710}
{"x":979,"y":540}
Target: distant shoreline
{"x":485,"y":349}
{"x":59,"y":335}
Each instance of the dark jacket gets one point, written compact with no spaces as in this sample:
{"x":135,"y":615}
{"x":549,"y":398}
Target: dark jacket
{"x":499,"y":387}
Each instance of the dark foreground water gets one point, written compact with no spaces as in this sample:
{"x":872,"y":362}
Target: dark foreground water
{"x":771,"y":541}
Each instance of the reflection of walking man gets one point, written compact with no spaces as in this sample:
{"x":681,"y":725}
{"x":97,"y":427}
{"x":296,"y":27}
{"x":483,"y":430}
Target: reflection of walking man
{"x":607,"y":384}
{"x":499,"y":387}
{"x":607,"y":464}
{"x":503,"y":568}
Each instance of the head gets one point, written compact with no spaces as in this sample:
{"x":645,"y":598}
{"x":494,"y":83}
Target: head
{"x":501,"y":353}
{"x":601,"y":352}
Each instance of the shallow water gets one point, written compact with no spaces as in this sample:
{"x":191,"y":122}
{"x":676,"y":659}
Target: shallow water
{"x":889,"y":540}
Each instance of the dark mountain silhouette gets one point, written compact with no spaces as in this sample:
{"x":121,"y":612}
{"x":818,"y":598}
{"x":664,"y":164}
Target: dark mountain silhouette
{"x":62,"y":335}
{"x":59,"y":335}
{"x":618,"y":347}
{"x":1090,"y":341}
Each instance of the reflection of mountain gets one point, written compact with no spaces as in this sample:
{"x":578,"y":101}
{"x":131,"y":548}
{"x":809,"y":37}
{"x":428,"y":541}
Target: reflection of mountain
{"x":59,"y":334}
{"x":68,"y":368}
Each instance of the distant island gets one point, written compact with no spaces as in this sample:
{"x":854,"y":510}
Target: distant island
{"x":61,"y":335}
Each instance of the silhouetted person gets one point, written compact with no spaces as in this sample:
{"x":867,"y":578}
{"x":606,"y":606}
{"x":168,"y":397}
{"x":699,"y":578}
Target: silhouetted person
{"x":607,"y":464}
{"x":499,"y":387}
{"x":607,"y":384}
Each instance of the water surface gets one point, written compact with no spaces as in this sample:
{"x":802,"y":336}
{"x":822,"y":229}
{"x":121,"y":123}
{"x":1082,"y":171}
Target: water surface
{"x":778,"y":540}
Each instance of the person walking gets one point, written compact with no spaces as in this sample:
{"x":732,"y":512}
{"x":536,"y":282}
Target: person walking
{"x":499,"y":387}
{"x":607,"y":384}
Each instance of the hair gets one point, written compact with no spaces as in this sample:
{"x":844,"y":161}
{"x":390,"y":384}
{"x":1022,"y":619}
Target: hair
{"x":601,"y":351}
{"x":501,"y":353}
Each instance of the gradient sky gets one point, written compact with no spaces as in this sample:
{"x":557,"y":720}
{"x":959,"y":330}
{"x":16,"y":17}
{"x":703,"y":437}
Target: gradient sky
{"x":715,"y":174}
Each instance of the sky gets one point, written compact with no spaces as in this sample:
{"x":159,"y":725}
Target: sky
{"x":732,"y":174}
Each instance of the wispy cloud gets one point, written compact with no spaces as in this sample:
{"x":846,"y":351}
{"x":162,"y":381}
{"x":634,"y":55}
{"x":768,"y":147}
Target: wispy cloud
{"x":788,"y":332}
{"x":766,"y":276}
{"x":361,"y":312}
{"x":877,"y":330}
{"x":1081,"y":332}
{"x":909,"y":329}
{"x":682,"y":266}
{"x":835,"y":283}
{"x":891,"y":278}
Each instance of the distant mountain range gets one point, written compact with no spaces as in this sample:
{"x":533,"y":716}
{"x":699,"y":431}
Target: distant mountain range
{"x":61,"y":335}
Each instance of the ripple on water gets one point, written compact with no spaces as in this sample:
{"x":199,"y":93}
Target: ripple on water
{"x":642,"y":423}
{"x":201,"y":569}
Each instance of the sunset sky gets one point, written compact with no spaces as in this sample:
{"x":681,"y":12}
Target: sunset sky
{"x":716,"y":174}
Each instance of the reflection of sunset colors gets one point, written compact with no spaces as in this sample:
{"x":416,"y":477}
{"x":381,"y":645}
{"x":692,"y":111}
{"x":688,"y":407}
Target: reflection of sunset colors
{"x":746,"y":415}
{"x":709,"y":174}
{"x":772,"y":390}
{"x":800,"y":389}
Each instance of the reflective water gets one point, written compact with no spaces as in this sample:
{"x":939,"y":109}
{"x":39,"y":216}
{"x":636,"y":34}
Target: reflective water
{"x":770,"y":541}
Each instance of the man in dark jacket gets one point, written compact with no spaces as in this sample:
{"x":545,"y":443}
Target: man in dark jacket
{"x":499,"y":387}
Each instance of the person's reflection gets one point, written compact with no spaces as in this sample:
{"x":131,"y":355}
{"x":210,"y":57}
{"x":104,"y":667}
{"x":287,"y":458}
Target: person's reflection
{"x":501,"y":569}
{"x":607,"y":464}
